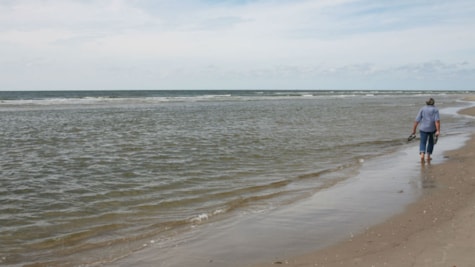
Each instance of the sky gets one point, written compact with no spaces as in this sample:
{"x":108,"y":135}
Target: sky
{"x":237,"y":44}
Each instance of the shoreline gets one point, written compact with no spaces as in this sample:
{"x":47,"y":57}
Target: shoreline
{"x":322,"y":223}
{"x":435,"y":230}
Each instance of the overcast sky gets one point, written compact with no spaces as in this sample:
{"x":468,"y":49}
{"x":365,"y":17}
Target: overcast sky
{"x":237,"y":44}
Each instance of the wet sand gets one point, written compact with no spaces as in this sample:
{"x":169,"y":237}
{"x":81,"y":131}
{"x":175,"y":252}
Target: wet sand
{"x":436,"y":230}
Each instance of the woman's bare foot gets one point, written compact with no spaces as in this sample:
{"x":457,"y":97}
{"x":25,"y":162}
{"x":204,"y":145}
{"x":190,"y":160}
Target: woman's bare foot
{"x":422,"y":157}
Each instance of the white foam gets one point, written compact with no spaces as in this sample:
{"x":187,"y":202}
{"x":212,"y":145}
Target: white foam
{"x":199,"y":218}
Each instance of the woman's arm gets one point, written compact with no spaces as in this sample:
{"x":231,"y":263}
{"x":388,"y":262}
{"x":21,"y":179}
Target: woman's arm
{"x":414,"y":128}
{"x":437,"y":127}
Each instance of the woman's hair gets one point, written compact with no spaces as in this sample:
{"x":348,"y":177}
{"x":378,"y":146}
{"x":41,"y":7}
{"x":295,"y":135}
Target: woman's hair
{"x":431,"y":101}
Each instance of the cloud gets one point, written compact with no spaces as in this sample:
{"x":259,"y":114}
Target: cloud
{"x":435,"y":70}
{"x":165,"y":44}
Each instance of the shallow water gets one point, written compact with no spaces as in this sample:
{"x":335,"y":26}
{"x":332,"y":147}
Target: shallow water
{"x":382,"y":187}
{"x":90,"y":176}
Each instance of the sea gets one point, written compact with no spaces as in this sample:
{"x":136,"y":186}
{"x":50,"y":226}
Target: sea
{"x":91,"y":178}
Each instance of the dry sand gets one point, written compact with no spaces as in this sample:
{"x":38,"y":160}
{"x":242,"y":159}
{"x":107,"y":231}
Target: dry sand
{"x":437,"y":230}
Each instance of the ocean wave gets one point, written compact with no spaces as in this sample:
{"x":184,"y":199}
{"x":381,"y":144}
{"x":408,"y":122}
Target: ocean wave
{"x":90,"y":98}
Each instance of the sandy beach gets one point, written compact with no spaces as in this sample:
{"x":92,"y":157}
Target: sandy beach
{"x":436,"y":230}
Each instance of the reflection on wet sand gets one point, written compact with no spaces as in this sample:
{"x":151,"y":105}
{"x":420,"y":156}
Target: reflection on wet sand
{"x":427,"y":178}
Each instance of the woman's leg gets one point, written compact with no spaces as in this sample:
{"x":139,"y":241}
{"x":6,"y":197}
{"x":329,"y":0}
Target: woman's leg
{"x":423,"y":142}
{"x":430,"y":145}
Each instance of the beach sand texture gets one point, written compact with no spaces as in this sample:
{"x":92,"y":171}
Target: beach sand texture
{"x":437,"y":230}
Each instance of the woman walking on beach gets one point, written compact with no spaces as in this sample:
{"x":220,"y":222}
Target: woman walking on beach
{"x":429,"y":126}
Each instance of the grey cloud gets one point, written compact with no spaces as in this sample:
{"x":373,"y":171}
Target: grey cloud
{"x":435,"y":68}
